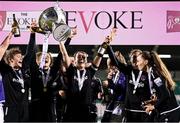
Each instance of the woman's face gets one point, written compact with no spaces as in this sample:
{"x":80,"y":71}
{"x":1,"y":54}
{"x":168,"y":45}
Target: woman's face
{"x":141,"y":62}
{"x":81,"y":58}
{"x":17,"y":60}
{"x":47,"y":61}
{"x":133,"y":58}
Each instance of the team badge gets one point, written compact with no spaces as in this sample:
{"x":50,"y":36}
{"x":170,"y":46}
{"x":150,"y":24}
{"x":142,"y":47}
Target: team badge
{"x":158,"y":81}
{"x":143,"y":77}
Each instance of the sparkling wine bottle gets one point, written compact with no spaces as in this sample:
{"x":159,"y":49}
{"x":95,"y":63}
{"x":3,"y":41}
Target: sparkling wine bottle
{"x":15,"y":27}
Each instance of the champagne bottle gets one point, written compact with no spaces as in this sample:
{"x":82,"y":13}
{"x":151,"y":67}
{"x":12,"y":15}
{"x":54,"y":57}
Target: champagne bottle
{"x":15,"y":27}
{"x":102,"y":49}
{"x":37,"y":29}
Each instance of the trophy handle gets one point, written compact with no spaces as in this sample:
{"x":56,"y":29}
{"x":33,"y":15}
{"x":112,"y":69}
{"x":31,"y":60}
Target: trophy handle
{"x":61,"y":17}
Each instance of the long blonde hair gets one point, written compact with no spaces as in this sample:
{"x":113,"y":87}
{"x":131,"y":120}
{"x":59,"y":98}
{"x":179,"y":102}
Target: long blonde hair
{"x":162,"y":69}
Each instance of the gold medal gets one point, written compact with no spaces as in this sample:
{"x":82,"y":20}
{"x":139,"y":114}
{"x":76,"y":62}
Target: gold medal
{"x":45,"y":89}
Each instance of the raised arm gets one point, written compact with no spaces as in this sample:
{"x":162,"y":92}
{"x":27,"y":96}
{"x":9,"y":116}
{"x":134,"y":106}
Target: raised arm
{"x":59,"y":59}
{"x":4,"y":45}
{"x":65,"y":55}
{"x":97,"y":60}
{"x":73,"y":33}
{"x":63,"y":45}
{"x":121,"y":66}
{"x":103,"y":47}
{"x":31,"y":47}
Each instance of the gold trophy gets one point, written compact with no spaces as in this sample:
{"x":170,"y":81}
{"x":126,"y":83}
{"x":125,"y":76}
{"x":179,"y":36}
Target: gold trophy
{"x":53,"y":20}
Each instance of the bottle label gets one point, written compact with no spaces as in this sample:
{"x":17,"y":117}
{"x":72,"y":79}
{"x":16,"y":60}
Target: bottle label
{"x":16,"y":32}
{"x":101,"y":50}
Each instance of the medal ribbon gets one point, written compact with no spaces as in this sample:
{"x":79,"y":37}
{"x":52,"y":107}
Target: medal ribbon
{"x":20,"y":77}
{"x":45,"y":78}
{"x":116,"y":77}
{"x":136,"y":82}
{"x":81,"y":79}
{"x":150,"y":82}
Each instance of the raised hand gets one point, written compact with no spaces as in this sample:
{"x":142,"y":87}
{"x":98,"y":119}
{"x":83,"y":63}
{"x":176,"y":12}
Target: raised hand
{"x":113,"y":34}
{"x":110,"y":37}
{"x":5,"y":44}
{"x":34,"y":28}
{"x":33,"y":25}
{"x":73,"y":32}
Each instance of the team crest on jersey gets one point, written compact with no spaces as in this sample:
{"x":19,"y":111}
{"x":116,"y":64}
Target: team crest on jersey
{"x":141,"y":84}
{"x":143,"y":78}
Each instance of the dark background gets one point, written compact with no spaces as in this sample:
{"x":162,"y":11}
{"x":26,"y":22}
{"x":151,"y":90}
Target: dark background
{"x":172,"y":63}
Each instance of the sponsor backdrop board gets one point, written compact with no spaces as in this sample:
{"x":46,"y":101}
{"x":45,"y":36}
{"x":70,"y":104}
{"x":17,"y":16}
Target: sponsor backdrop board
{"x":138,"y":23}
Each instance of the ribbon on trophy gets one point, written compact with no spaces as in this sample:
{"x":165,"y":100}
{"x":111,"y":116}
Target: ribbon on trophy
{"x":44,"y":51}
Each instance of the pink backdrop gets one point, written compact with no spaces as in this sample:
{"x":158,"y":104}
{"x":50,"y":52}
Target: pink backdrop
{"x":153,"y":17}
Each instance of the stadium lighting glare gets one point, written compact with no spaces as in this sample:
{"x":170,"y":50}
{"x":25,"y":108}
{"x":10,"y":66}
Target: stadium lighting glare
{"x":160,"y":55}
{"x":107,"y":56}
{"x":164,"y":55}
